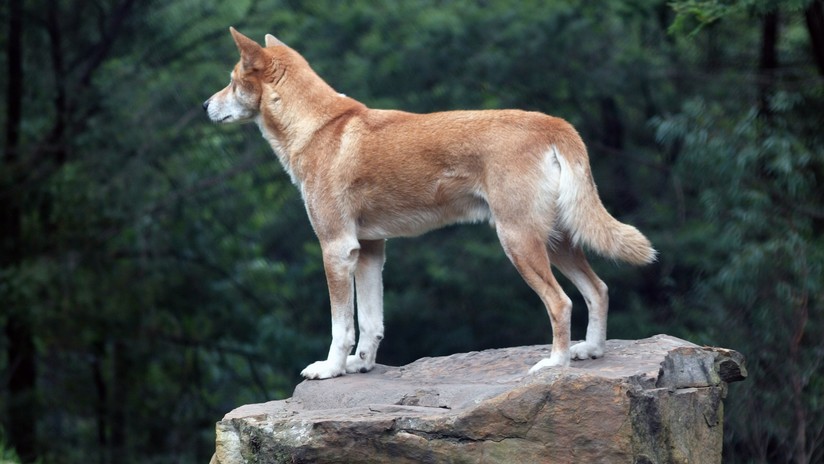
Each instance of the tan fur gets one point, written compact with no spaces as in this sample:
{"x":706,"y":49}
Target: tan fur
{"x":367,"y":175}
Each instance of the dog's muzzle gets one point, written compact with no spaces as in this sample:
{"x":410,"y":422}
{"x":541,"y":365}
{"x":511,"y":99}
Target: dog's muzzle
{"x":206,"y":105}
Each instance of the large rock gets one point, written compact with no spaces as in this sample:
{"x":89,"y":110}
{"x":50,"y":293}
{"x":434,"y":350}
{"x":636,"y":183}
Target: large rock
{"x":657,"y":400}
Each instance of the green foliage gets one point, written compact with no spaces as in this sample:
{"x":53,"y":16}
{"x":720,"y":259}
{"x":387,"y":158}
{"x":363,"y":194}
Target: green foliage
{"x":692,"y":16}
{"x":7,"y":453}
{"x":758,"y":191}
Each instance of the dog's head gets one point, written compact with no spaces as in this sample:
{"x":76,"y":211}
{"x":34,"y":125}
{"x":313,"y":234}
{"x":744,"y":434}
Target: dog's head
{"x":240,"y":100}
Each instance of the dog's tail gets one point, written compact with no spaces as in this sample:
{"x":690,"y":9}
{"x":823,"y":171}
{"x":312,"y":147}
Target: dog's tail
{"x":585,"y":219}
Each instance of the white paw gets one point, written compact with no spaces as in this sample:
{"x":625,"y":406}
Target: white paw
{"x":586,"y":350}
{"x":555,"y":360}
{"x":322,"y":370}
{"x":355,"y":364}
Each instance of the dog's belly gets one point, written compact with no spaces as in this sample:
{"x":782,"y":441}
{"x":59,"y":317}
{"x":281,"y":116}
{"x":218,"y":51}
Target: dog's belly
{"x":383,"y":223}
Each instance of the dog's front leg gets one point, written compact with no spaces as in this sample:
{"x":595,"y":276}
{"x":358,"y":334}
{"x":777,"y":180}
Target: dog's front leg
{"x":369,"y":291}
{"x":340,"y":259}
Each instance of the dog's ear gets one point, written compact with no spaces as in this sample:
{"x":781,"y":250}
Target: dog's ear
{"x":272,"y":41}
{"x":251,"y":53}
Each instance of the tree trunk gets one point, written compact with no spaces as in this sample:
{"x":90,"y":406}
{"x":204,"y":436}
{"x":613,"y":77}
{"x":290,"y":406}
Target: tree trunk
{"x":22,"y":409}
{"x":101,"y":401}
{"x":800,"y":317}
{"x":768,"y":63}
{"x":613,"y":138}
{"x":814,"y":15}
{"x":22,"y":399}
{"x":121,"y":387}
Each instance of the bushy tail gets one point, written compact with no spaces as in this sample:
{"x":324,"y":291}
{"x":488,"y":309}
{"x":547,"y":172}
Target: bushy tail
{"x":587,"y":222}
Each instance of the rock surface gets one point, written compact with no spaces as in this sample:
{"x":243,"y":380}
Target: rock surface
{"x":657,"y":400}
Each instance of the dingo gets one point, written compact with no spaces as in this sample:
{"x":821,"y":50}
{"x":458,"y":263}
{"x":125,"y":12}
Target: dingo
{"x":368,"y":175}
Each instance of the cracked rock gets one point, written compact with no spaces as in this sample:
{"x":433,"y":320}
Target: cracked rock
{"x":656,"y":400}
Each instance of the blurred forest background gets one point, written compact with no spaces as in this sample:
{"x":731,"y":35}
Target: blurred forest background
{"x":157,"y":271}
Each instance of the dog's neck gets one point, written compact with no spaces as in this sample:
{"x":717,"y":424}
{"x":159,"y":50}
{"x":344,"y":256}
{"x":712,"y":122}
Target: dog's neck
{"x":286,"y":120}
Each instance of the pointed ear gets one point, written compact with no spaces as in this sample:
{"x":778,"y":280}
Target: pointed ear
{"x":250,"y":51}
{"x":272,"y":41}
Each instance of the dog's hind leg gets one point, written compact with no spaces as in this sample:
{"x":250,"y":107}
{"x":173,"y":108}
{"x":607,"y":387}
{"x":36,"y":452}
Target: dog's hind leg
{"x":572,"y":262}
{"x":340,"y":259}
{"x":527,"y":251}
{"x":369,"y":294}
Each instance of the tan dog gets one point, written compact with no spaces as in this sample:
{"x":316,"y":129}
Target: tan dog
{"x":367,"y":175}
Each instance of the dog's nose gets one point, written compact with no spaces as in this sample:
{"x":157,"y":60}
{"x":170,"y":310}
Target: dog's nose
{"x":206,"y":105}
